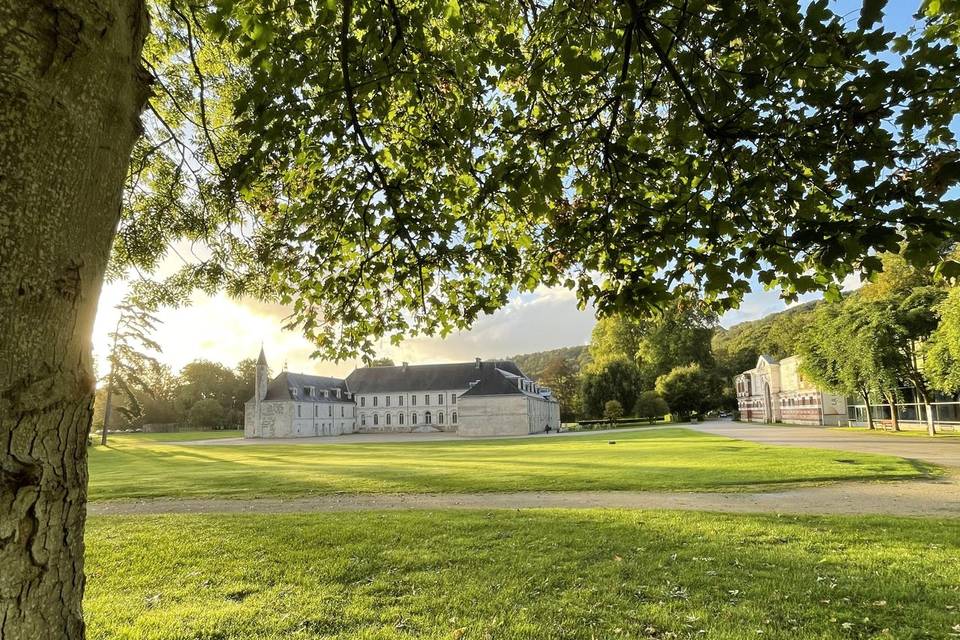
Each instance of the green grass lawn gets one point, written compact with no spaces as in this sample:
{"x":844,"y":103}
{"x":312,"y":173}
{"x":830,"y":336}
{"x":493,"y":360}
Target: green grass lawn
{"x":668,"y":459}
{"x":577,"y":574}
{"x":133,"y":437}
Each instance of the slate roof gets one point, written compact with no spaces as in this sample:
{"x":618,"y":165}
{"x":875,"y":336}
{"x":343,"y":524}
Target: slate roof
{"x":768,"y":359}
{"x":427,"y":377}
{"x":280,"y":388}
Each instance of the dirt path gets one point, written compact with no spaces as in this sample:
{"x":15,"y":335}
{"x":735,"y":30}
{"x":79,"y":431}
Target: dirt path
{"x":915,"y":498}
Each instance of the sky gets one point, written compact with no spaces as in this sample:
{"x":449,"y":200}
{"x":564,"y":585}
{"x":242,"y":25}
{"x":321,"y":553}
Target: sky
{"x":225,"y":330}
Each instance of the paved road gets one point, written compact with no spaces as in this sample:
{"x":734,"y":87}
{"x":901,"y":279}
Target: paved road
{"x":942,"y":451}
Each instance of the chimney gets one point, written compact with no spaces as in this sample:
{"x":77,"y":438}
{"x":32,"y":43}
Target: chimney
{"x":478,"y":363}
{"x":406,"y":366}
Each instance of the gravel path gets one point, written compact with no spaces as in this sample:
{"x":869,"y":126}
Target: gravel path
{"x":929,"y":497}
{"x":915,"y":498}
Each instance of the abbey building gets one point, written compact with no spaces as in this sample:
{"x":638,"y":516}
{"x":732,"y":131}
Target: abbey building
{"x":480,"y":398}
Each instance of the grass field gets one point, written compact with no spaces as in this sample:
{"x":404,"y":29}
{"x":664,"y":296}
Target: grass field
{"x":578,"y":574}
{"x":667,"y":459}
{"x":181,"y":436}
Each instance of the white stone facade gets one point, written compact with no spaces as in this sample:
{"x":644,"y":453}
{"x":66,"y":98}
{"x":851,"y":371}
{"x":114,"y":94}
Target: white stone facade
{"x":471,"y":399}
{"x":776,"y":391}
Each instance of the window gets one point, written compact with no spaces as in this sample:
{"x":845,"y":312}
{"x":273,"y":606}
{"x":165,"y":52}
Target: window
{"x":388,"y":418}
{"x":299,"y":411}
{"x":308,"y":392}
{"x":427,"y":418}
{"x":453,"y":417}
{"x":413,"y":400}
{"x":293,"y":392}
{"x":413,"y":419}
{"x":375,"y":398}
{"x":400,"y":419}
{"x":315,"y":411}
{"x":439,"y":398}
{"x":453,"y":399}
{"x":426,"y":399}
{"x":330,"y":411}
{"x":342,"y":412}
{"x":440,"y":417}
{"x":399,"y":401}
{"x":387,"y":400}
{"x":376,"y":419}
{"x":363,"y":401}
{"x":363,"y":419}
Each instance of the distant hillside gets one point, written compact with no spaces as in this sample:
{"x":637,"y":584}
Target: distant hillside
{"x":737,"y":348}
{"x":533,"y":364}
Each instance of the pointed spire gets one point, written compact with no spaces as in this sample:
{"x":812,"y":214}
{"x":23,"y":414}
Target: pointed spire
{"x":262,"y":360}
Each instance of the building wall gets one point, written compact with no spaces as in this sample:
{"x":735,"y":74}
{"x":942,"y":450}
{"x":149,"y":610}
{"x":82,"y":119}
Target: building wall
{"x":373,"y":409}
{"x":506,"y":415}
{"x":290,"y":419}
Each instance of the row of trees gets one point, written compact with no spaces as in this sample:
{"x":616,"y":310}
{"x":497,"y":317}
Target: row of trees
{"x":645,"y":366}
{"x":899,"y":332}
{"x":203,"y":394}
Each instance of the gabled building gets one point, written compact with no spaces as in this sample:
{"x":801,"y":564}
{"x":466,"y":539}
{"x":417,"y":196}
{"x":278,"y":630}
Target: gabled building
{"x":776,"y":391}
{"x":469,"y":398}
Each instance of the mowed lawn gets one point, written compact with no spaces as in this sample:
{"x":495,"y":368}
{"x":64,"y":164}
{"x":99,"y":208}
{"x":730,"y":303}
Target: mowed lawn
{"x":578,"y":574}
{"x":659,"y":459}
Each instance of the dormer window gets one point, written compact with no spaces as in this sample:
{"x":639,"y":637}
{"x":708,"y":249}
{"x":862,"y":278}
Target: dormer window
{"x":293,"y":392}
{"x":309,"y":392}
{"x":326,"y":393}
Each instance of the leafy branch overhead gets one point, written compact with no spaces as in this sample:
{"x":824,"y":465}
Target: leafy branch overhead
{"x":400,"y":167}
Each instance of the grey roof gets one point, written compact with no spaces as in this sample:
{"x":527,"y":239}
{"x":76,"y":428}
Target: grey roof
{"x":281,"y":386}
{"x":494,"y":383}
{"x":425,"y":377}
{"x":262,"y":360}
{"x":769,"y":359}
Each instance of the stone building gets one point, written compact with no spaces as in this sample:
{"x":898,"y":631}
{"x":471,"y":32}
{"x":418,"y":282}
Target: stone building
{"x":776,"y":391}
{"x":469,"y":398}
{"x":295,"y":405}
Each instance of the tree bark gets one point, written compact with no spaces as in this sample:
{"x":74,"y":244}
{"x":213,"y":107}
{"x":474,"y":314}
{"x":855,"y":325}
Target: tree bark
{"x":71,"y":92}
{"x":866,"y":401}
{"x":928,"y":409}
{"x":892,"y":403}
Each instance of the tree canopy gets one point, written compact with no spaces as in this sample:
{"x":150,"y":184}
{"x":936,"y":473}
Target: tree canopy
{"x":395,"y":167}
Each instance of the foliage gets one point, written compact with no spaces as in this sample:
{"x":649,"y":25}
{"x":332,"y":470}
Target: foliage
{"x":535,"y":364}
{"x":612,"y":410}
{"x":463,"y":150}
{"x":207,"y":412}
{"x":560,"y":375}
{"x":663,"y":459}
{"x":690,"y":389}
{"x":650,"y":405}
{"x":942,"y":354}
{"x":381,"y":362}
{"x":619,"y":380}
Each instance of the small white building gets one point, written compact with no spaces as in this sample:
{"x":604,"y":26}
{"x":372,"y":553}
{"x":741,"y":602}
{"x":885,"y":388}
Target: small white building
{"x":469,"y":398}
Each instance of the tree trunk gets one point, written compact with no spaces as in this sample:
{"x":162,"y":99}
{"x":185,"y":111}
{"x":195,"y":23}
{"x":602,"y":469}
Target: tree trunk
{"x":892,"y":403}
{"x":71,"y":91}
{"x":107,"y":409}
{"x":928,"y":409}
{"x":866,"y":401}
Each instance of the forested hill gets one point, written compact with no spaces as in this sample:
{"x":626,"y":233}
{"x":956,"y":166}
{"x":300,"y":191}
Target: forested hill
{"x":738,"y":347}
{"x":533,"y":364}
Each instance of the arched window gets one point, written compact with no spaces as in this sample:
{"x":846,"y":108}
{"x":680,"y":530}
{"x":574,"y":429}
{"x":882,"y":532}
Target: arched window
{"x":453,"y":417}
{"x":440,"y":417}
{"x":400,"y":419}
{"x":376,"y":419}
{"x":363,"y":419}
{"x":427,"y":418}
{"x":388,"y":418}
{"x":413,"y":418}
